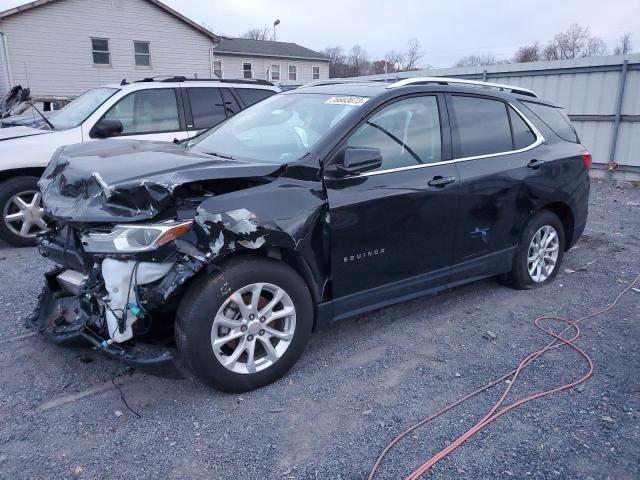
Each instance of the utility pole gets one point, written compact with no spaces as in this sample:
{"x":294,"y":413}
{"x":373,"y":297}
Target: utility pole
{"x":276,"y":22}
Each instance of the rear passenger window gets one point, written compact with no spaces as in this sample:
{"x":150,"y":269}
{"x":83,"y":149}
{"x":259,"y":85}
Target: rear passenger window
{"x":479,"y":127}
{"x":206,"y":107}
{"x":523,"y":136}
{"x":407,"y":132}
{"x":253,"y":95}
{"x":231,"y":105}
{"x":555,"y":119}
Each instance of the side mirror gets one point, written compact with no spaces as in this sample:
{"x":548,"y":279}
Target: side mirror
{"x":107,"y":127}
{"x":358,"y":160}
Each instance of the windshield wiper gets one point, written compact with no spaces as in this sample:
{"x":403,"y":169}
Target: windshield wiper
{"x":221,"y":155}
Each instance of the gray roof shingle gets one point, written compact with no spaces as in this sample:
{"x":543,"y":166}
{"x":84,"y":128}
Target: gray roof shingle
{"x":266,"y":48}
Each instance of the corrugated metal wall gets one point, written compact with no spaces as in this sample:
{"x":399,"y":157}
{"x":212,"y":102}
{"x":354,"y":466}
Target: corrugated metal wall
{"x":588,"y":88}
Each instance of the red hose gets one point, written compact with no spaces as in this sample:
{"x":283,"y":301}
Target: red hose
{"x":495,"y":412}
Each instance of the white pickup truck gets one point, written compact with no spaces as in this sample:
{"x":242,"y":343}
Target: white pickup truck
{"x":164,"y":110}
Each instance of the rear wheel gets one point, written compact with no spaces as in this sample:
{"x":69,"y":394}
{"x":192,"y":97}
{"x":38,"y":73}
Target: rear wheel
{"x":539,"y":253}
{"x":245,"y":327}
{"x":22,"y":212}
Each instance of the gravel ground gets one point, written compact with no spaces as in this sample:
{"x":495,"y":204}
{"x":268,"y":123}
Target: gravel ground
{"x":355,"y":388}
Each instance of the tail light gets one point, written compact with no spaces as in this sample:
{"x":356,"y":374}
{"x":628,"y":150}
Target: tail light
{"x":586,"y":159}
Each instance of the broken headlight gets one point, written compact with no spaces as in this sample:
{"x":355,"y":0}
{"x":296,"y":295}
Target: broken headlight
{"x":134,"y":238}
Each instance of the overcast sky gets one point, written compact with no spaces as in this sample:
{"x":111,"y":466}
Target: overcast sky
{"x":447,"y":30}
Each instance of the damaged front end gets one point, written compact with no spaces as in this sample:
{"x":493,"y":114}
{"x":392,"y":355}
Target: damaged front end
{"x":131,"y":223}
{"x":118,"y":303}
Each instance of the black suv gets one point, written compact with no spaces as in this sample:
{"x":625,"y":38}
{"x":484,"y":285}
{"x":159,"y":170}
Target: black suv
{"x":309,"y":207}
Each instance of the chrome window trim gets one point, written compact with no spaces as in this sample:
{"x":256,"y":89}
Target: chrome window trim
{"x":539,"y":141}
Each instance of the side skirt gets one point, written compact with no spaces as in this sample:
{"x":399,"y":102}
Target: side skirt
{"x":427,"y":284}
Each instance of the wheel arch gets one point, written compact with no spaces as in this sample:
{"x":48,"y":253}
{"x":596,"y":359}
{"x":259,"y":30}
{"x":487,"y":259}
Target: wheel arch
{"x":21,"y":172}
{"x":566,"y":216}
{"x":292,"y":258}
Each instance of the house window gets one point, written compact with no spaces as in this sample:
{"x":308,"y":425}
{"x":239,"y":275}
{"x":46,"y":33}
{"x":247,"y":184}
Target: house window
{"x":275,"y":72}
{"x":316,"y":72}
{"x":293,"y":72}
{"x":100,"y":50}
{"x":142,"y":54}
{"x":247,"y":71}
{"x":217,"y":69}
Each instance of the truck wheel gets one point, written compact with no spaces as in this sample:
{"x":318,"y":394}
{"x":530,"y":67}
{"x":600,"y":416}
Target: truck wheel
{"x":246,"y":326}
{"x":539,"y":252}
{"x":22,"y":213}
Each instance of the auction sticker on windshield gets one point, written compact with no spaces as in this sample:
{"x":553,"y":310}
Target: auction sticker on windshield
{"x":355,"y":101}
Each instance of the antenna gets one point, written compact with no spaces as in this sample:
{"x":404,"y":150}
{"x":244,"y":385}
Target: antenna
{"x":33,"y":114}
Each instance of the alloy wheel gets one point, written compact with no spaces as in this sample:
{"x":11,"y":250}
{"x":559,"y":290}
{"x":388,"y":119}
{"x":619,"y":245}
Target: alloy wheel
{"x":253,"y":328}
{"x":23,"y":214}
{"x":542,"y":255}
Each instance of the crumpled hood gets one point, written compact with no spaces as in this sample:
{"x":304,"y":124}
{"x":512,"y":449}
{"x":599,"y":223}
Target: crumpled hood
{"x":18,"y":132}
{"x":130,"y":180}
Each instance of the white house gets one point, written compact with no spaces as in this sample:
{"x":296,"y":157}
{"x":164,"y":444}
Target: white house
{"x":63,"y":47}
{"x":279,"y":62}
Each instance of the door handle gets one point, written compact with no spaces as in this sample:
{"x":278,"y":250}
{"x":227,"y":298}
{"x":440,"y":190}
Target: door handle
{"x":535,"y":164}
{"x":440,"y":181}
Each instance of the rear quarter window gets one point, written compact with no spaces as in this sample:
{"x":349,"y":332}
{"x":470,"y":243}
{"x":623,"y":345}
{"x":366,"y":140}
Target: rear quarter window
{"x":253,"y":95}
{"x":523,"y":136}
{"x":556,"y":119}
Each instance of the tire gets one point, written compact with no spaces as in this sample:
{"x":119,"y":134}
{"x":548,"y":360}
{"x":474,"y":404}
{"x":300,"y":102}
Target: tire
{"x":8,"y":190}
{"x":204,"y":301}
{"x":519,"y":277}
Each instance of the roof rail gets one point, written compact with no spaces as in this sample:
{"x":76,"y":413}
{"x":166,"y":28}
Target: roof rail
{"x":181,"y":78}
{"x":458,"y":81}
{"x":336,"y":81}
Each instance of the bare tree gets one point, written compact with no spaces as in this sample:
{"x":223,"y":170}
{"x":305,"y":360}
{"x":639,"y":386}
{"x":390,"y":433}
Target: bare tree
{"x":478,"y":60}
{"x":413,"y":55}
{"x":394,"y":61}
{"x":338,"y":67}
{"x":624,"y":45}
{"x":595,"y":48}
{"x":551,"y":51}
{"x":336,"y":54}
{"x":257,"y":34}
{"x":573,"y":42}
{"x":379,"y":66}
{"x":358,"y":61}
{"x":528,"y":53}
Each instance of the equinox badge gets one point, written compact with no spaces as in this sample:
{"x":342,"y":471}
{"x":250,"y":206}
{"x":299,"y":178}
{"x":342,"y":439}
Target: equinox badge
{"x":363,"y":255}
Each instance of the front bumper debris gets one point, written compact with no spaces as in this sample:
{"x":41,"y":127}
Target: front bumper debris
{"x":162,"y":364}
{"x":62,"y":320}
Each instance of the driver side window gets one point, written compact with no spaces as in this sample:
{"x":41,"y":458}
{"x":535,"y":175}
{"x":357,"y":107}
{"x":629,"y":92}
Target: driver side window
{"x":407,"y":133}
{"x":147,"y":111}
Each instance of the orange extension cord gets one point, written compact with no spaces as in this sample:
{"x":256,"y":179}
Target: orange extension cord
{"x":496,"y":411}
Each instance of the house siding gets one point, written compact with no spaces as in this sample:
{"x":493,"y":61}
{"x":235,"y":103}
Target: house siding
{"x":50,"y":46}
{"x":232,"y":68}
{"x":4,"y":81}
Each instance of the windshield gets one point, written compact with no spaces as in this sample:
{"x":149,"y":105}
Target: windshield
{"x":279,"y":129}
{"x":77,"y":111}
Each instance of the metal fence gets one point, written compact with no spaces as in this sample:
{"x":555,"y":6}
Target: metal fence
{"x":600,"y":94}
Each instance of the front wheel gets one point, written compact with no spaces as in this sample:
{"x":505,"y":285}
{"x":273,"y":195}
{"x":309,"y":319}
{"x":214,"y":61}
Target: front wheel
{"x":22,"y":212}
{"x":245,"y":327}
{"x":539,"y":252}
